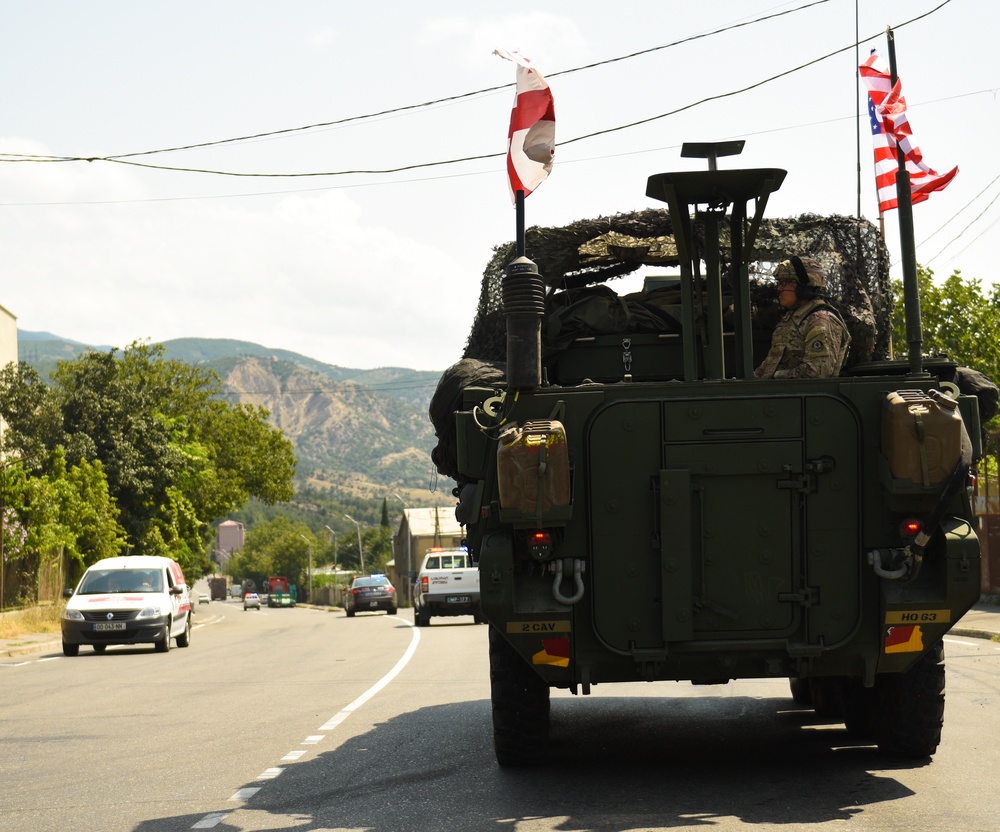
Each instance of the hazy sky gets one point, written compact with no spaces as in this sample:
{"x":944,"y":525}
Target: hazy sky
{"x":383,"y":269}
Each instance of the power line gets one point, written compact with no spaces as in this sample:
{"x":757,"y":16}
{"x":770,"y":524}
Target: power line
{"x":955,"y":215}
{"x":967,"y":227}
{"x":417,"y":180}
{"x":410,"y":107}
{"x":423,"y":165}
{"x":122,"y":158}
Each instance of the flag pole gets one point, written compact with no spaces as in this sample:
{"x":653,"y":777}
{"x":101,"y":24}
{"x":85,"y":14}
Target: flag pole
{"x":907,"y":244}
{"x":519,"y":222}
{"x":857,"y":95}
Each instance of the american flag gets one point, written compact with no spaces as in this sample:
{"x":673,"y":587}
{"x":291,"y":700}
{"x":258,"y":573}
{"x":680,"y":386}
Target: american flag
{"x":891,"y":129}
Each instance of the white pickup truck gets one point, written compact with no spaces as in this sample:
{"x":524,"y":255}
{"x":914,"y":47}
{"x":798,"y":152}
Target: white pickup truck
{"x":446,"y":585}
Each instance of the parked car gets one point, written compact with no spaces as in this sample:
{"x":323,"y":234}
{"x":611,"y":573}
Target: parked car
{"x":369,"y":594}
{"x":251,"y":601}
{"x":128,"y":600}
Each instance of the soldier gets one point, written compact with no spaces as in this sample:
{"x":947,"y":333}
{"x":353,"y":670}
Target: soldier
{"x":811,"y":340}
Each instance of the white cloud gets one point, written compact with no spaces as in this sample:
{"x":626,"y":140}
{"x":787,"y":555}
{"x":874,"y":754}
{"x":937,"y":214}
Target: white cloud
{"x":323,"y":38}
{"x":305,"y":272}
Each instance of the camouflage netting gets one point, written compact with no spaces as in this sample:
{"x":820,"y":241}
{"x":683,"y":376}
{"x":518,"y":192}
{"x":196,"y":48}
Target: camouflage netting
{"x":590,"y":252}
{"x":575,"y":259}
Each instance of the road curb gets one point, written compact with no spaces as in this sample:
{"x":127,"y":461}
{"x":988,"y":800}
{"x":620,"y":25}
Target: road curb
{"x":969,"y":633}
{"x":12,"y":651}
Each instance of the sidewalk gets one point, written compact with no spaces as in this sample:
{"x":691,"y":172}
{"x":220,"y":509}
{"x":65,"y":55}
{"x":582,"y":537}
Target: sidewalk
{"x":982,"y":621}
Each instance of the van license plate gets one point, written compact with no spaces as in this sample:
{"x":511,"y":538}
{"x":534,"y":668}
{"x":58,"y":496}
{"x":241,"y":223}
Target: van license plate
{"x":109,"y":625}
{"x":458,"y":599}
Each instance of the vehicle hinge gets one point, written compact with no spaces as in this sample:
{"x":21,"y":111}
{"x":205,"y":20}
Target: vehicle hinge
{"x":807,"y":596}
{"x":806,"y":482}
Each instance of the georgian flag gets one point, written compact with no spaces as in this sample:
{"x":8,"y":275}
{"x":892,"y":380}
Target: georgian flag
{"x":891,"y":129}
{"x":531,"y":138}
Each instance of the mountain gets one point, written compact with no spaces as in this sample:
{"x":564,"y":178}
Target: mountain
{"x":42,"y":350}
{"x":344,"y":432}
{"x":355,"y":431}
{"x":24,"y":335}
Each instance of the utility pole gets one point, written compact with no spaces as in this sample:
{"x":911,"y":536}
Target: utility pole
{"x":310,"y":548}
{"x":333,"y":539}
{"x":361,"y":552}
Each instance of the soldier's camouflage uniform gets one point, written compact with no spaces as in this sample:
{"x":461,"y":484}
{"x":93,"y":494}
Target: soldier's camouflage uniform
{"x":811,"y":341}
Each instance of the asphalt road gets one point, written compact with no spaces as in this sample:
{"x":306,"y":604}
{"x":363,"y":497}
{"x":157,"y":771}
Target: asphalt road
{"x":307,"y":720}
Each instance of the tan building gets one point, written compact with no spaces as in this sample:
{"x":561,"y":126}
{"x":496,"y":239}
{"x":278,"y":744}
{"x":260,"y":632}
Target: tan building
{"x":419,"y":530}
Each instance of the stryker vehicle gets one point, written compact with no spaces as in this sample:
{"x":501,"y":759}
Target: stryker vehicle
{"x":642,"y":508}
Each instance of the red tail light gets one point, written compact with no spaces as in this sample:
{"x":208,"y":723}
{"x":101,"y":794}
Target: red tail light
{"x":424,"y":584}
{"x":540,"y":544}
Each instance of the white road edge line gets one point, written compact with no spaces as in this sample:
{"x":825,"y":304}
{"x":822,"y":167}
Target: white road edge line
{"x":215,"y":818}
{"x":381,"y":683}
{"x":244,"y":795}
{"x":210,"y":821}
{"x":208,"y":623}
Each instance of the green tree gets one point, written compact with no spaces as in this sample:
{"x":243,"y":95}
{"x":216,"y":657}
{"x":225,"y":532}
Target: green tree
{"x":89,"y":511}
{"x":175,"y":455}
{"x":31,"y":411}
{"x":957,"y":318}
{"x":65,"y":511}
{"x":274,"y":547}
{"x":119,"y":422}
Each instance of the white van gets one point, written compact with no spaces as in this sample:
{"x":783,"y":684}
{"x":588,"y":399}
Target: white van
{"x":128,"y":600}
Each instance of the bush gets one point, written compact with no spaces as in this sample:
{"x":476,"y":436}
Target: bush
{"x":43,"y":619}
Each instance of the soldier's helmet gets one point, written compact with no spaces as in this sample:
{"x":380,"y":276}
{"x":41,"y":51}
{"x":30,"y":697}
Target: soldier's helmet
{"x":806,"y":271}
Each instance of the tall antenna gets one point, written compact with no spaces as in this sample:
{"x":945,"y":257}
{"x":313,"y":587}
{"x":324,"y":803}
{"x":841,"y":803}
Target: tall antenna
{"x":857,"y":98}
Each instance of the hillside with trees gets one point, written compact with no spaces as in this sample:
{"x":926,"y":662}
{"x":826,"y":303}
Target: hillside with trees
{"x":129,"y":451}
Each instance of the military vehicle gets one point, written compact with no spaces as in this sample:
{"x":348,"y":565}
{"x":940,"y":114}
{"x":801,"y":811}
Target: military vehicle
{"x":642,"y":508}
